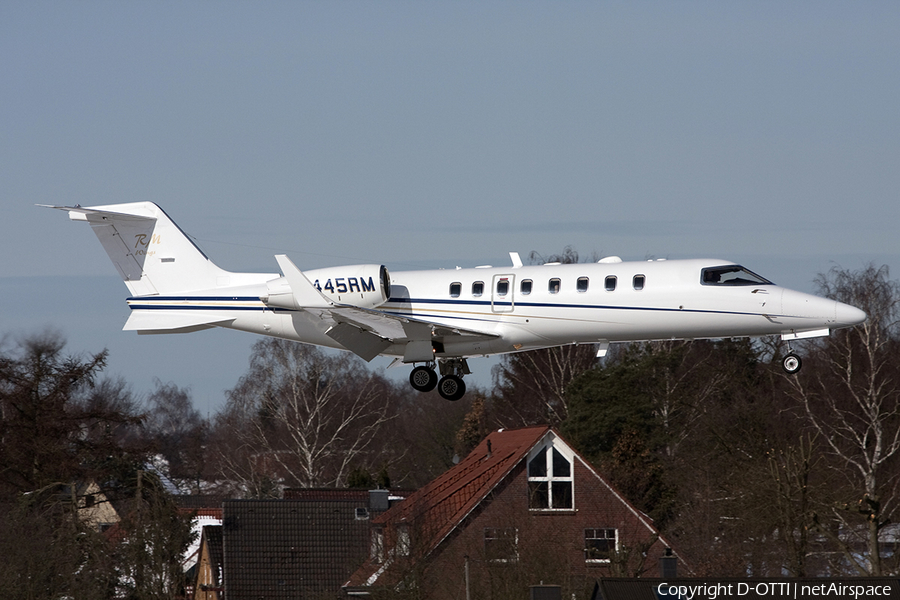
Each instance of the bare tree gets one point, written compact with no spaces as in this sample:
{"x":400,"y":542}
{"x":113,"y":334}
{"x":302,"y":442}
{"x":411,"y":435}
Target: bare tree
{"x":178,"y":431}
{"x":304,"y":415}
{"x":850,"y":394}
{"x":530,"y":387}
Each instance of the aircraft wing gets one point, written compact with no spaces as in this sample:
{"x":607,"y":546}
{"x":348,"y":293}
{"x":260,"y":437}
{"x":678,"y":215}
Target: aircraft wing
{"x":368,"y":332}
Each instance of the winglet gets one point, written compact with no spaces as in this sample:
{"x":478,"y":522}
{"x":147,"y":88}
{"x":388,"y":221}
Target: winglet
{"x":305,"y":294}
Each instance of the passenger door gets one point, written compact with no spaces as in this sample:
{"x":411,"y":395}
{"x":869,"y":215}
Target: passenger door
{"x":502,"y":292}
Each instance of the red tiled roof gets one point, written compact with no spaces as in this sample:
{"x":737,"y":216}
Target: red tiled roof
{"x":440,"y":505}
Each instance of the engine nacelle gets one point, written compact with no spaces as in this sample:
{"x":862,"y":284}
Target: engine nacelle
{"x":366,"y":286}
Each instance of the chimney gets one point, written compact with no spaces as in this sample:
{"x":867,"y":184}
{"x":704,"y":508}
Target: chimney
{"x":545,"y":592}
{"x":668,"y":565}
{"x":379,"y":500}
{"x":489,"y":448}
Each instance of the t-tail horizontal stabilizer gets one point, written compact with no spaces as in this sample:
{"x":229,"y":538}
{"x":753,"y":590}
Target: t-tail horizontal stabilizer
{"x":150,"y":252}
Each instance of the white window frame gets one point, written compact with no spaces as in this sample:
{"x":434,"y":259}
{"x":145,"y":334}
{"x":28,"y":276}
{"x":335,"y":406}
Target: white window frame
{"x":615,"y":538}
{"x":506,"y":531}
{"x":551,"y":443}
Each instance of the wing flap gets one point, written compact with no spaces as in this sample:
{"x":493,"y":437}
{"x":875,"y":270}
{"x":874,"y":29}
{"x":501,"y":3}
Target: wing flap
{"x":361,"y":342}
{"x":399,"y":328}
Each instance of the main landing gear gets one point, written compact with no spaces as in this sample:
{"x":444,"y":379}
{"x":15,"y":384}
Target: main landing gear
{"x":450,"y":386}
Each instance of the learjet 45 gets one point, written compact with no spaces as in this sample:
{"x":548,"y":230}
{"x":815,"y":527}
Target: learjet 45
{"x":434,"y":320}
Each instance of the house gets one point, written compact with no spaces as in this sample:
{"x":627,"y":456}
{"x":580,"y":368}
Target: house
{"x":95,"y":509}
{"x":523,"y":508}
{"x":206,"y":520}
{"x":304,"y":546}
{"x":209,"y":583}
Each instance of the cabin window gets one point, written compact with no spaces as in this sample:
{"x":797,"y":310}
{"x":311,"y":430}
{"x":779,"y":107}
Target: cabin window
{"x":455,"y":289}
{"x":503,"y":287}
{"x":553,"y":288}
{"x":611,"y":283}
{"x":582,"y":284}
{"x":550,"y":480}
{"x":525,"y":287}
{"x":501,"y":544}
{"x":731,"y":275}
{"x":600,"y":544}
{"x":638,"y":282}
{"x":477,"y":288}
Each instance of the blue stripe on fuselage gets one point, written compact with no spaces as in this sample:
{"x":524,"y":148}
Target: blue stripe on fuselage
{"x":156,"y":303}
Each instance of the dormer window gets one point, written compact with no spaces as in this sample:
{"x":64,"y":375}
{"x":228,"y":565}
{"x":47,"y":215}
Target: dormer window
{"x":376,"y":545}
{"x":403,"y":542}
{"x":550,"y":479}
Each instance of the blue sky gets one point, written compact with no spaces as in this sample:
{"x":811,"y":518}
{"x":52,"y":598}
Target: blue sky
{"x":433,"y":135}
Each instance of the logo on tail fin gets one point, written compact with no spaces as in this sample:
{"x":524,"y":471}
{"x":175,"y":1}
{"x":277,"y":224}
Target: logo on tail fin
{"x":142,"y":243}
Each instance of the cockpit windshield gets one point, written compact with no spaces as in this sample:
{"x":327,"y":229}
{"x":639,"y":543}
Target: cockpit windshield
{"x":731,"y":275}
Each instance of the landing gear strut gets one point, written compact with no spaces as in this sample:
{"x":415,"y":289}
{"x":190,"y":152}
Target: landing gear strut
{"x":451,"y":386}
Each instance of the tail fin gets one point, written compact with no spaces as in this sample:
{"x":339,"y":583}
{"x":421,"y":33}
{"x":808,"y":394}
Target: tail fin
{"x":151,"y":253}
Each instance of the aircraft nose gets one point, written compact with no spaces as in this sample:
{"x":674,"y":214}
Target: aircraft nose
{"x":848,"y":316}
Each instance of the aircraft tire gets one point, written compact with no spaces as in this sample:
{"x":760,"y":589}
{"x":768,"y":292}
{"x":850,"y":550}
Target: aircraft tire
{"x":791,"y":364}
{"x":451,"y":388}
{"x":423,"y":379}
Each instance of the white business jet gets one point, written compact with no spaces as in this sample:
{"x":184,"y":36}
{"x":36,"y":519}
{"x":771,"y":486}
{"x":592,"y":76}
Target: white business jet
{"x":436,"y":319}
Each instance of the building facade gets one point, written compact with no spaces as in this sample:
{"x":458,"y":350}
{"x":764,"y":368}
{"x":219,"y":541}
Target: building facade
{"x":524,"y":508}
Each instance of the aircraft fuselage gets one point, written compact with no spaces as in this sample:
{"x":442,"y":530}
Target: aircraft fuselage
{"x":438,"y":318}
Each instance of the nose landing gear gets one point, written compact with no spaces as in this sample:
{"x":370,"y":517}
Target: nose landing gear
{"x":791,"y":363}
{"x":451,"y":386}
